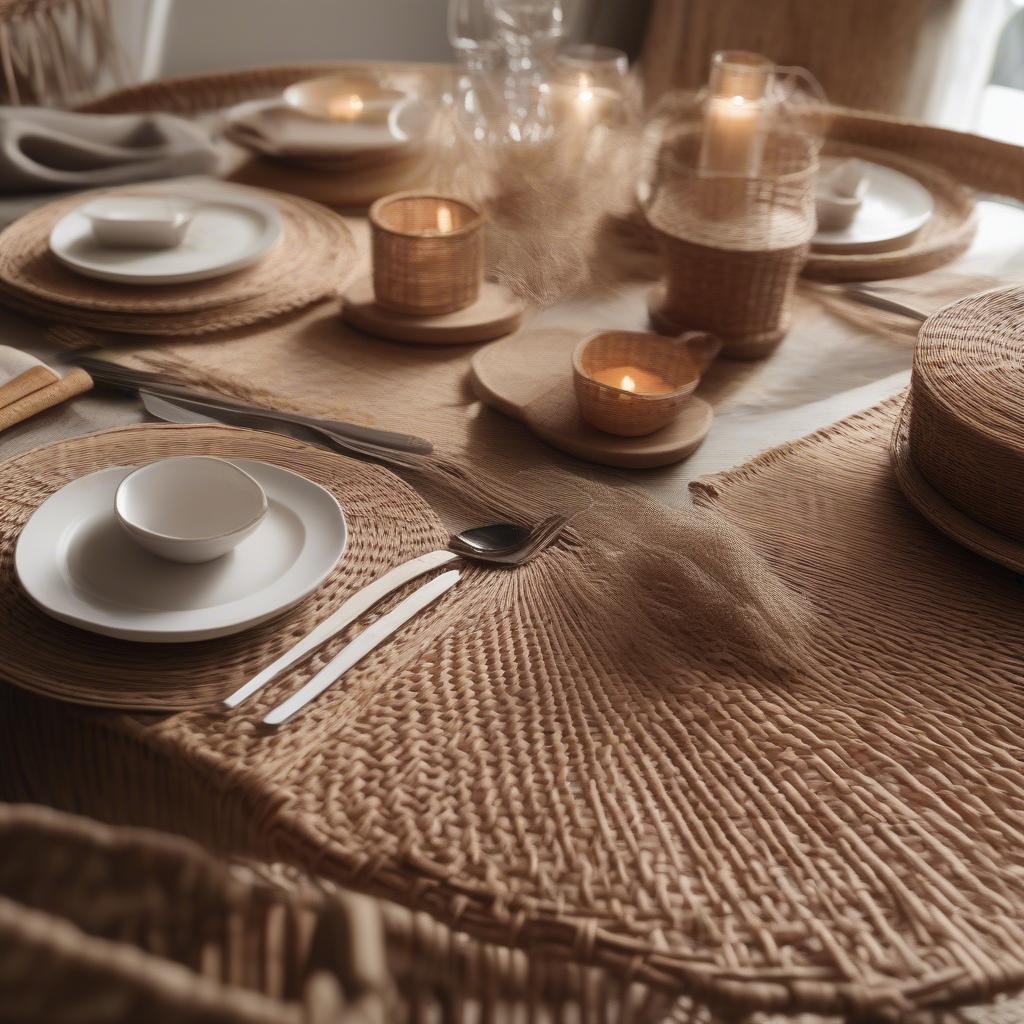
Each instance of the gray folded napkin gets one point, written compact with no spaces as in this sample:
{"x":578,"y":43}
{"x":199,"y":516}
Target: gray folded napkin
{"x":47,"y":150}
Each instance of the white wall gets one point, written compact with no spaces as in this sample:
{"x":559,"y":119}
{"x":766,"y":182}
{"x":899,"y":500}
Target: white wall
{"x":206,"y":35}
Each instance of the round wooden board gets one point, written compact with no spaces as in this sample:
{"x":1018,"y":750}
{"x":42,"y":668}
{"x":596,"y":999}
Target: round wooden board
{"x":529,"y":377}
{"x":495,"y":313}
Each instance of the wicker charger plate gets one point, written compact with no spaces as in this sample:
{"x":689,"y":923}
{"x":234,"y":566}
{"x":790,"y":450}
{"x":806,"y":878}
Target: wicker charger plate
{"x":388,"y":523}
{"x":945,"y":236}
{"x":942,"y":514}
{"x":314,"y":256}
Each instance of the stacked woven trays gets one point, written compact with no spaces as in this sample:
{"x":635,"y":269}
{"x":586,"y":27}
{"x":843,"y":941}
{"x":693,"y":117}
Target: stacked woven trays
{"x":959,"y":447}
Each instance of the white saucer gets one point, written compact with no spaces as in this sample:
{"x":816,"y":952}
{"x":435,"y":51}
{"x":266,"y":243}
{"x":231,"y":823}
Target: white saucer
{"x":895,"y":206}
{"x":274,"y":129}
{"x":77,"y":564}
{"x":231,"y":229}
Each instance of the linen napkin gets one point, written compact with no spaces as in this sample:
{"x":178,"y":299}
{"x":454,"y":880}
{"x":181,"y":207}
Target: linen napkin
{"x":47,"y":150}
{"x":28,"y":386}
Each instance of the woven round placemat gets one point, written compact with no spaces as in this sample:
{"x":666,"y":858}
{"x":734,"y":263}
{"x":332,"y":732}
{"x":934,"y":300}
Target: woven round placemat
{"x":311,"y":261}
{"x":386,"y":520}
{"x":967,"y":428}
{"x":947,"y":234}
{"x":940,"y":512}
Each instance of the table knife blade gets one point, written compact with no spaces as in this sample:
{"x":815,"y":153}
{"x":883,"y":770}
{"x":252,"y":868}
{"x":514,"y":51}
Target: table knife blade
{"x":367,"y":641}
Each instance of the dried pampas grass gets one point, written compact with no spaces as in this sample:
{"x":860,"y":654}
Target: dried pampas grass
{"x":554,"y":207}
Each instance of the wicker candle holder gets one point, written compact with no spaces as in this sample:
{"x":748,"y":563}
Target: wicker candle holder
{"x":428,"y":254}
{"x":632,"y":383}
{"x":732,"y":245}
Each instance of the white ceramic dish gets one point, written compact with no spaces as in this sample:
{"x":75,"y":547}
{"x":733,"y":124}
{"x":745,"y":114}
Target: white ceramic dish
{"x":271,"y":128}
{"x":342,"y":98}
{"x":895,"y":206}
{"x":191,"y":509}
{"x":77,"y":564}
{"x":231,"y":229}
{"x":139,"y":222}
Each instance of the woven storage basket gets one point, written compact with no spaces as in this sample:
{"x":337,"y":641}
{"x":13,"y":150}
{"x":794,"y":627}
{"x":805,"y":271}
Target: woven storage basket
{"x":732,"y":247}
{"x":417,"y":269}
{"x":967,"y":423}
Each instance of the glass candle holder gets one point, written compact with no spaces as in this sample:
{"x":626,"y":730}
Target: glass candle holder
{"x":428,"y":253}
{"x":736,"y":113}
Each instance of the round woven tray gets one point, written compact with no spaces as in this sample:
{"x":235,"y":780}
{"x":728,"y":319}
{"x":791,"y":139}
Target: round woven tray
{"x":942,"y":514}
{"x":945,"y":236}
{"x":967,"y":428}
{"x":313,"y":258}
{"x":387,"y":521}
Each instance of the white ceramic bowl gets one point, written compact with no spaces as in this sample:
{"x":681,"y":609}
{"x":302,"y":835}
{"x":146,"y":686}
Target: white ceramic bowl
{"x":190,"y":509}
{"x":139,"y":222}
{"x":343,"y":98}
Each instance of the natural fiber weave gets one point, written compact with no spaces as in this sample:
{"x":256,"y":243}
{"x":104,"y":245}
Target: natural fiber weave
{"x":311,"y":261}
{"x":418,"y":270}
{"x":967,"y":426}
{"x":732,"y":247}
{"x":387,"y":524}
{"x":114,"y":925}
{"x":586,"y":758}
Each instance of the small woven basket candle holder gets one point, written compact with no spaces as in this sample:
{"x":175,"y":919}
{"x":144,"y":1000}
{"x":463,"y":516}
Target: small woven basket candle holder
{"x":733,"y":246}
{"x":428,"y":254}
{"x":678,"y":362}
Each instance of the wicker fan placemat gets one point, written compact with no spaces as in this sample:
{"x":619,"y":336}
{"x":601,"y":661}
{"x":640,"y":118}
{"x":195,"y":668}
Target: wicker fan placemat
{"x":570,"y":765}
{"x":387,"y":521}
{"x":311,"y":261}
{"x":945,"y":236}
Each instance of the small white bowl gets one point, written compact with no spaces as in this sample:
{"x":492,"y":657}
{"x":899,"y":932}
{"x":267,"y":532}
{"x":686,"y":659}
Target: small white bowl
{"x":139,"y":222}
{"x":190,"y":509}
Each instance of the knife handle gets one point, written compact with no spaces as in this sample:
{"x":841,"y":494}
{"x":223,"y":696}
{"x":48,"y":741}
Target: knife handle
{"x":367,"y":641}
{"x":358,"y":604}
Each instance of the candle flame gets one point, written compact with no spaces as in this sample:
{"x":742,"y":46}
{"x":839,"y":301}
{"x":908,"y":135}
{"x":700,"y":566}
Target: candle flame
{"x":628,"y":384}
{"x":444,"y":220}
{"x":346,"y":108}
{"x":737,"y":101}
{"x":585,"y":95}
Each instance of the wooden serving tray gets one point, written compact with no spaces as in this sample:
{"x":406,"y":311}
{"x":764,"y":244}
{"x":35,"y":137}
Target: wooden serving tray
{"x":528,"y":376}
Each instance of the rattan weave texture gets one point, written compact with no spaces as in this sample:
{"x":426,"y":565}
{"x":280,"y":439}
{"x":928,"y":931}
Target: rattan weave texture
{"x":311,"y":261}
{"x":387,"y":524}
{"x":564,"y":768}
{"x":967,"y":425}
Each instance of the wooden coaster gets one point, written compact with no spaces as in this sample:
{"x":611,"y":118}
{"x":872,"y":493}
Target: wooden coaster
{"x":529,"y":377}
{"x":495,"y":313}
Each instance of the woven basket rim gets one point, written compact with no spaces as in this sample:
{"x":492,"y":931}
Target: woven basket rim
{"x":577,"y":365}
{"x":466,"y":229}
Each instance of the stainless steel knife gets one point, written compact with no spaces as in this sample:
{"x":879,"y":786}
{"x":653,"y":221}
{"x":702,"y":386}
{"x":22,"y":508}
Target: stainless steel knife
{"x":367,"y":641}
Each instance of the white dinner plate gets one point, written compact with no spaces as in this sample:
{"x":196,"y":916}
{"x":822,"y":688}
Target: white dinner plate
{"x":230,"y":230}
{"x":78,"y":564}
{"x":896,"y":205}
{"x":273,"y":129}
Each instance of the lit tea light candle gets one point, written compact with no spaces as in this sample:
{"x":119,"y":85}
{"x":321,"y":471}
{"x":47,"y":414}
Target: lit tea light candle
{"x":427,"y":253}
{"x":632,"y":383}
{"x":634,"y":379}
